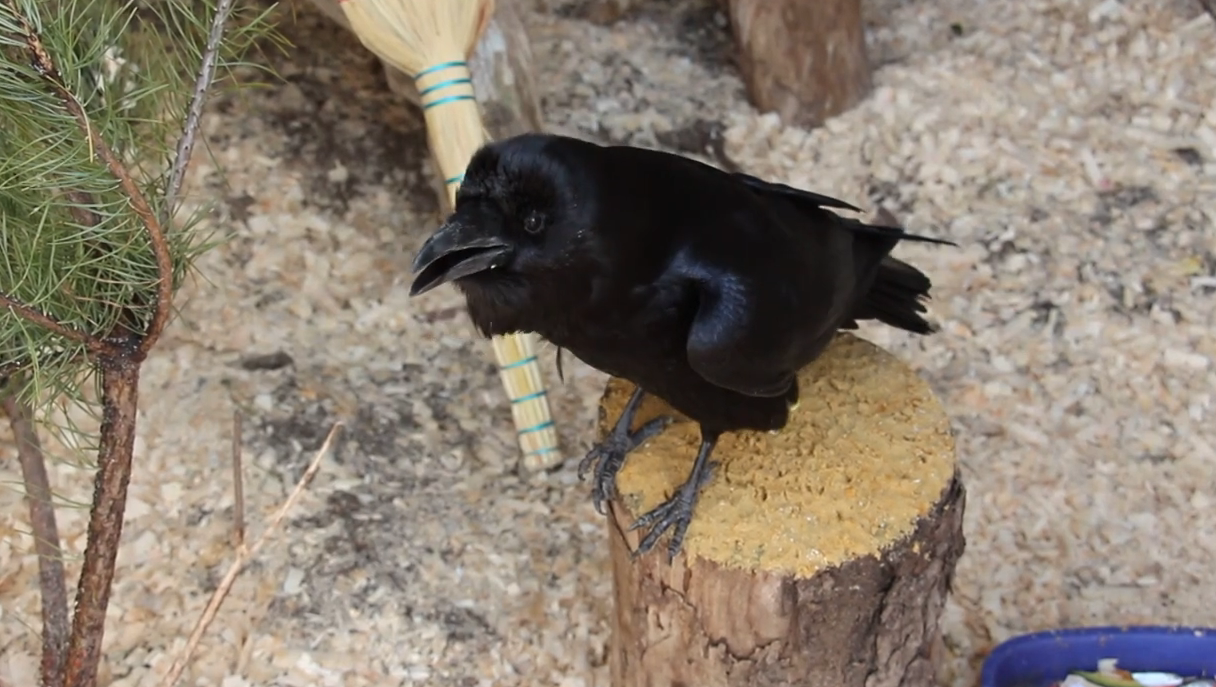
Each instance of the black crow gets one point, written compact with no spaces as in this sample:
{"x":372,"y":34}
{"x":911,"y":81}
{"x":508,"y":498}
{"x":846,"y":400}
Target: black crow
{"x":706,"y":288}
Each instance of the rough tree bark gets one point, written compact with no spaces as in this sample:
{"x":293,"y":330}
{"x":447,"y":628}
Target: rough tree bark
{"x":52,"y":581}
{"x":820,"y":555}
{"x":806,"y":61}
{"x":120,"y":403}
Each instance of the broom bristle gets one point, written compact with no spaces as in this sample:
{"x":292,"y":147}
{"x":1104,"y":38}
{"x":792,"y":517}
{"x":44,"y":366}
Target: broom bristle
{"x":416,"y":34}
{"x":432,"y":39}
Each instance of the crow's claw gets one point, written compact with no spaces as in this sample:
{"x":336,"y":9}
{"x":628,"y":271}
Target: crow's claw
{"x":609,"y":455}
{"x":675,"y":513}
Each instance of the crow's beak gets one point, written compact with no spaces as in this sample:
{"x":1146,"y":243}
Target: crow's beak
{"x":456,"y":250}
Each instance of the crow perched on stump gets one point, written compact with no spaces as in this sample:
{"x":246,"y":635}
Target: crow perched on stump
{"x":706,"y":288}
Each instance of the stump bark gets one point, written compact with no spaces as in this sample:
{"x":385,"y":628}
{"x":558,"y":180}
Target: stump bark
{"x":804,"y":60}
{"x":819,"y":555}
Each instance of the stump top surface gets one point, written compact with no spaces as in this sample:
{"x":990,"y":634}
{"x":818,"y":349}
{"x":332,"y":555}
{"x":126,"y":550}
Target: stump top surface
{"x":866,"y":453}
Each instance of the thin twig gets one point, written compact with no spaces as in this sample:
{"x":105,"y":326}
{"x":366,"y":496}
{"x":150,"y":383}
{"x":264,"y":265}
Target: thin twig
{"x":45,"y":321}
{"x":51,"y":579}
{"x":238,"y":484}
{"x":46,"y":68}
{"x":243,"y":556}
{"x":194,"y":114}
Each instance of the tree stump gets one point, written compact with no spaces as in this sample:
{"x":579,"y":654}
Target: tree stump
{"x":819,"y":555}
{"x":804,"y":60}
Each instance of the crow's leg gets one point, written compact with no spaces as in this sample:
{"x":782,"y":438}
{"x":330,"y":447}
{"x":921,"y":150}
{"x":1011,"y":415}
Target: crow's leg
{"x":677,"y":511}
{"x":609,"y":455}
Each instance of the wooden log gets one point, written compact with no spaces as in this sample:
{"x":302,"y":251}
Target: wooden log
{"x":818,"y":555}
{"x":806,"y":61}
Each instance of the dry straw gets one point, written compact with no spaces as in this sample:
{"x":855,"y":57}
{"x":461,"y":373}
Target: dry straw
{"x":433,"y":39}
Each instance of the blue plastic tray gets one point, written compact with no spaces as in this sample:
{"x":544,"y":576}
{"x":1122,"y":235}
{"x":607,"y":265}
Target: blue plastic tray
{"x":1037,"y":660}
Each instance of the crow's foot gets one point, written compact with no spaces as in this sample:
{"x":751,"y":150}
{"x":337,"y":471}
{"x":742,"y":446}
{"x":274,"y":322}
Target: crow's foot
{"x":676,"y":512}
{"x":608,"y":456}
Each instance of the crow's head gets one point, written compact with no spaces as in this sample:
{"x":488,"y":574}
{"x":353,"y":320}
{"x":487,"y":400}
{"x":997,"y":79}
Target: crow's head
{"x":523,"y":214}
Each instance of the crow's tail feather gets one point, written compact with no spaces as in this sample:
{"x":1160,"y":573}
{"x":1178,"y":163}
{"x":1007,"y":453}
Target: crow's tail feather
{"x":896,"y":297}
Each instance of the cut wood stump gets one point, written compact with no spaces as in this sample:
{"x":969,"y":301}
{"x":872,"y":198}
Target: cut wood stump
{"x":818,"y":555}
{"x":806,"y":61}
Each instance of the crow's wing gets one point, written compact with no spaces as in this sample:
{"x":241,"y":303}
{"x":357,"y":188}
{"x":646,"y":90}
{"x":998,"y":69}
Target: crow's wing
{"x":775,"y":285}
{"x":813,"y":204}
{"x":766,"y":297}
{"x":771,"y":188}
{"x":732,"y":342}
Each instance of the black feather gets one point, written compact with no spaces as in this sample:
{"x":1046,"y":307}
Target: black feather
{"x":794,"y":194}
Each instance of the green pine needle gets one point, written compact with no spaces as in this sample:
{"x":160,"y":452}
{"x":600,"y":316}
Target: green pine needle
{"x":71,"y":245}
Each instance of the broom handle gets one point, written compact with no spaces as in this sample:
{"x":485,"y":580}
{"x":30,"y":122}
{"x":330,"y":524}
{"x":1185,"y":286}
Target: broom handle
{"x":447,"y":87}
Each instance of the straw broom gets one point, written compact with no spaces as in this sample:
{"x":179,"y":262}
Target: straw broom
{"x":433,"y":39}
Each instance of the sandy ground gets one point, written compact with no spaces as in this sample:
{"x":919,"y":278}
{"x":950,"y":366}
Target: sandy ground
{"x":1070,"y":147}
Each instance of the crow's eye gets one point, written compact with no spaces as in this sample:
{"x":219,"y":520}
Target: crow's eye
{"x":534,"y":222}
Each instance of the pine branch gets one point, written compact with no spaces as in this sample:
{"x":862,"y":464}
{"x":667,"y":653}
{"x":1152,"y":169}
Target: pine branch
{"x":101,"y":267}
{"x":41,"y":319}
{"x":45,"y":66}
{"x":51,"y":579}
{"x":9,"y":370}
